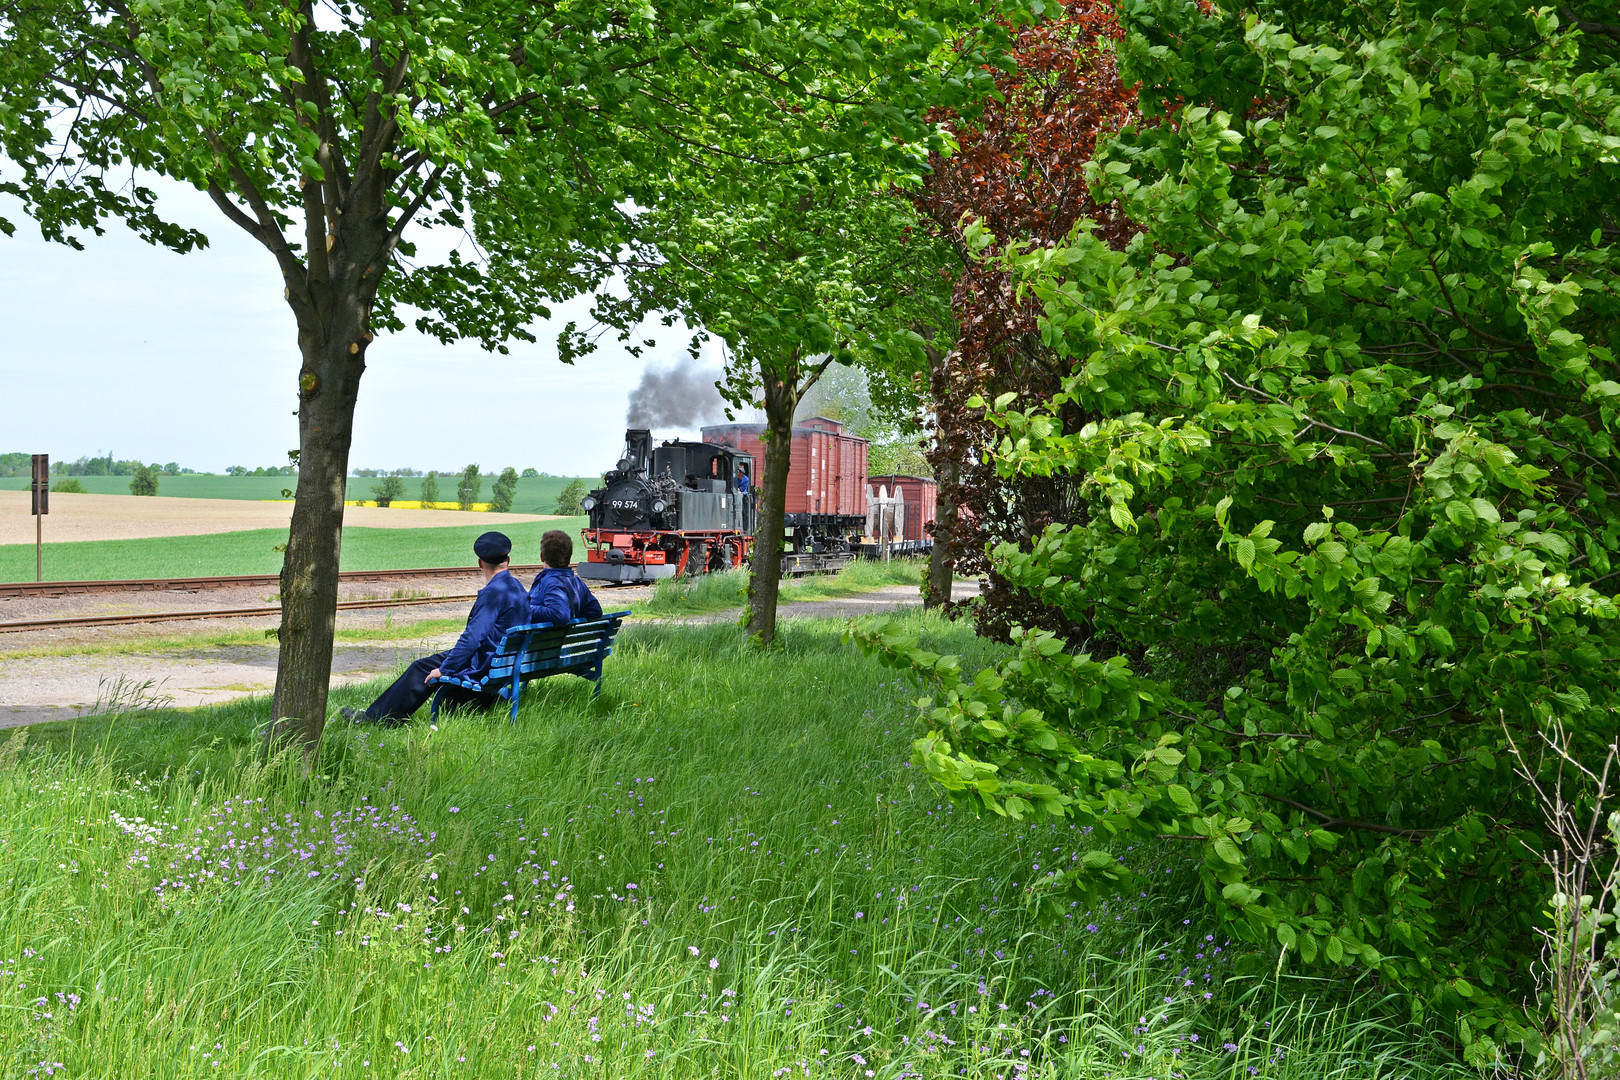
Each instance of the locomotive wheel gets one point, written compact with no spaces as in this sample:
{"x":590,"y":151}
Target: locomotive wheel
{"x":697,"y":559}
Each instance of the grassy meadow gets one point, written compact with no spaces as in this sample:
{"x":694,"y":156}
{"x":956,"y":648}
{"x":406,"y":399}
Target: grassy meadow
{"x":726,"y":866}
{"x":535,"y":495}
{"x":254,"y":552}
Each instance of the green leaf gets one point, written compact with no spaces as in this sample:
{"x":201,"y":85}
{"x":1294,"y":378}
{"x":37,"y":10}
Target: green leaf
{"x":1461,"y":514}
{"x":1240,"y":895}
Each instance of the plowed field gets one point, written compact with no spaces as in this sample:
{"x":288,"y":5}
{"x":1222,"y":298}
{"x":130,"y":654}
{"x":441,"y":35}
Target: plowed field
{"x":131,"y":517}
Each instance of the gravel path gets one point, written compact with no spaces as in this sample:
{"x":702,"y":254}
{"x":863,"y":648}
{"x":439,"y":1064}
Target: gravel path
{"x":40,"y":688}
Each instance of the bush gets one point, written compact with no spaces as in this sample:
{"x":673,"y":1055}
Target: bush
{"x":70,"y":486}
{"x":1344,"y":410}
{"x":430,"y":490}
{"x":529,"y":474}
{"x":569,"y":497}
{"x":144,"y":482}
{"x":505,"y":490}
{"x":470,"y":485}
{"x":387,"y":489}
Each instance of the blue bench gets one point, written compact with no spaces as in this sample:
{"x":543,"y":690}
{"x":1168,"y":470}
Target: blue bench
{"x":537,"y":650}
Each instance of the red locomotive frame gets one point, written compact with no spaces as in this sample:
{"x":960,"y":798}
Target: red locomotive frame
{"x":721,"y":549}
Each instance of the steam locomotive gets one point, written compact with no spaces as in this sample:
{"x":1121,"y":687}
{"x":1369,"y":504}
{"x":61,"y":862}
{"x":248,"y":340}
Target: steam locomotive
{"x":684,"y":508}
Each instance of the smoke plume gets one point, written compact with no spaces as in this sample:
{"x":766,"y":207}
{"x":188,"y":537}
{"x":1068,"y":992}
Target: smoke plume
{"x":681,"y":396}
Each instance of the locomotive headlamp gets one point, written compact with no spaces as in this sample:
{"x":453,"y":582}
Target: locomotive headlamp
{"x":659,"y":506}
{"x":588,"y":503}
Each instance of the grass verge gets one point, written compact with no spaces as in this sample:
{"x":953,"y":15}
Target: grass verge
{"x":718,"y":592}
{"x":723,"y":867}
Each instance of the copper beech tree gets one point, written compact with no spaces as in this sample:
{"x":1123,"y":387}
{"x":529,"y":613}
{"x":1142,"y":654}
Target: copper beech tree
{"x":1019,"y":172}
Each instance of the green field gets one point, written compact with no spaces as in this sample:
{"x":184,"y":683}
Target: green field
{"x":536,"y":495}
{"x":726,"y":866}
{"x":253,"y":552}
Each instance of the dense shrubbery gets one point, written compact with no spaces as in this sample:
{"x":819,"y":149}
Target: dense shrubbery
{"x":387,"y":490}
{"x":144,"y":482}
{"x":568,"y":499}
{"x":1349,"y":487}
{"x":504,"y":491}
{"x":468,"y":487}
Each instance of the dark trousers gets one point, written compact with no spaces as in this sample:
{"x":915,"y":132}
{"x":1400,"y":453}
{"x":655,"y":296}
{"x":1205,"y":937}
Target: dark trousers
{"x":411,"y":691}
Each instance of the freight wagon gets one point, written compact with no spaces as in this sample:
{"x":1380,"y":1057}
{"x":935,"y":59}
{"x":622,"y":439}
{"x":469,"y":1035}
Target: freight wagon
{"x":914,"y":501}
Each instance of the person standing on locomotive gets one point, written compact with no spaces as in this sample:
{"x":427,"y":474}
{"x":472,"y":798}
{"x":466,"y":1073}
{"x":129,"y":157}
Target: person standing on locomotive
{"x":558,"y":595}
{"x":501,"y":605}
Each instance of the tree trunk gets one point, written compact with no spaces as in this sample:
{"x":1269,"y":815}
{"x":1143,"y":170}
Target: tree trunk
{"x":940,"y":568}
{"x":333,"y":335}
{"x":781,"y":399}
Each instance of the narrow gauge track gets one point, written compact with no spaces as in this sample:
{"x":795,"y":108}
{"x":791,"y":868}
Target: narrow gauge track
{"x":212,"y":613}
{"x":10,"y":590}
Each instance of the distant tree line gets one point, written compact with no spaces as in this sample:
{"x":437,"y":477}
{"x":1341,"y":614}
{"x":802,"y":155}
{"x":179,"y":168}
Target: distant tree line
{"x":390,"y":487}
{"x":526,"y":474}
{"x":21,"y":465}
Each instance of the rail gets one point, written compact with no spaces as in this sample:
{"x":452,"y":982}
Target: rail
{"x":18,"y":625}
{"x":10,"y":590}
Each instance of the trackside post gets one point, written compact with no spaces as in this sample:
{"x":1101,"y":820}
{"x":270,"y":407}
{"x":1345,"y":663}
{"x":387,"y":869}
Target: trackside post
{"x":41,"y":488}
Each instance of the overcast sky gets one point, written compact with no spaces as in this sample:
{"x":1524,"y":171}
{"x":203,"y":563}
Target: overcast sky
{"x":135,"y":350}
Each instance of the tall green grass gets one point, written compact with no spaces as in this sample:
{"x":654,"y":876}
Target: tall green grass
{"x":723,"y":867}
{"x":716,"y":592}
{"x":254,"y":552}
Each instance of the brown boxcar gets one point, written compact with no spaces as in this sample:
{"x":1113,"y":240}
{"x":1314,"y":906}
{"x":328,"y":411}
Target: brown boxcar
{"x":918,"y":494}
{"x":826,"y":468}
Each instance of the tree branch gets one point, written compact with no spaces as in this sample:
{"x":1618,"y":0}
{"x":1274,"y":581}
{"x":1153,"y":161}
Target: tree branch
{"x":1333,"y":822}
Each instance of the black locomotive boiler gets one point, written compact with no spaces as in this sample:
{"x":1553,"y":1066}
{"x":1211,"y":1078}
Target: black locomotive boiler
{"x":677,"y":509}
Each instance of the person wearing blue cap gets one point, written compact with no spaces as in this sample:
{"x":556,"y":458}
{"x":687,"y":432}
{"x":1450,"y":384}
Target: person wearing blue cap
{"x":558,"y":595}
{"x":502,"y":604}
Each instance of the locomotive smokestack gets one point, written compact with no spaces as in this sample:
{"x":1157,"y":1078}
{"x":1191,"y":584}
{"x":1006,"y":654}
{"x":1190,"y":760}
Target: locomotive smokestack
{"x":680,"y":396}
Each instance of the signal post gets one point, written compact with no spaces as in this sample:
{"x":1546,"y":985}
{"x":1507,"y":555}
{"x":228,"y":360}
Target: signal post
{"x":41,"y":488}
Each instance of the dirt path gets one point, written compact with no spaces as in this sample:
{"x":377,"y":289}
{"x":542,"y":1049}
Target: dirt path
{"x":131,"y":517}
{"x":34,"y":689}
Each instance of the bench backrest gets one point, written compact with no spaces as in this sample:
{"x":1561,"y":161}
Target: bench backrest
{"x":543,"y":647}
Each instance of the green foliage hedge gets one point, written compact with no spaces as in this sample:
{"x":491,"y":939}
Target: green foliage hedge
{"x":1343,"y":416}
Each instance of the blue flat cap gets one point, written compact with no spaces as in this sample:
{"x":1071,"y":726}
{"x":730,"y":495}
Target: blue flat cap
{"x":493,"y":547}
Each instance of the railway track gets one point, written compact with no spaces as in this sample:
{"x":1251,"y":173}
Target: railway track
{"x":18,"y":625}
{"x":21,"y":589}
{"x":10,"y":590}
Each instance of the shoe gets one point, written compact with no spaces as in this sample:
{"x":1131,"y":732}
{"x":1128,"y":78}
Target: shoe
{"x":354,"y":716}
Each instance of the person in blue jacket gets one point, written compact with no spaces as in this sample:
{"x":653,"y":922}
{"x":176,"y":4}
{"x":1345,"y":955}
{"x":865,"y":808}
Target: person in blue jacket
{"x":501,"y":605}
{"x":558,"y":595}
